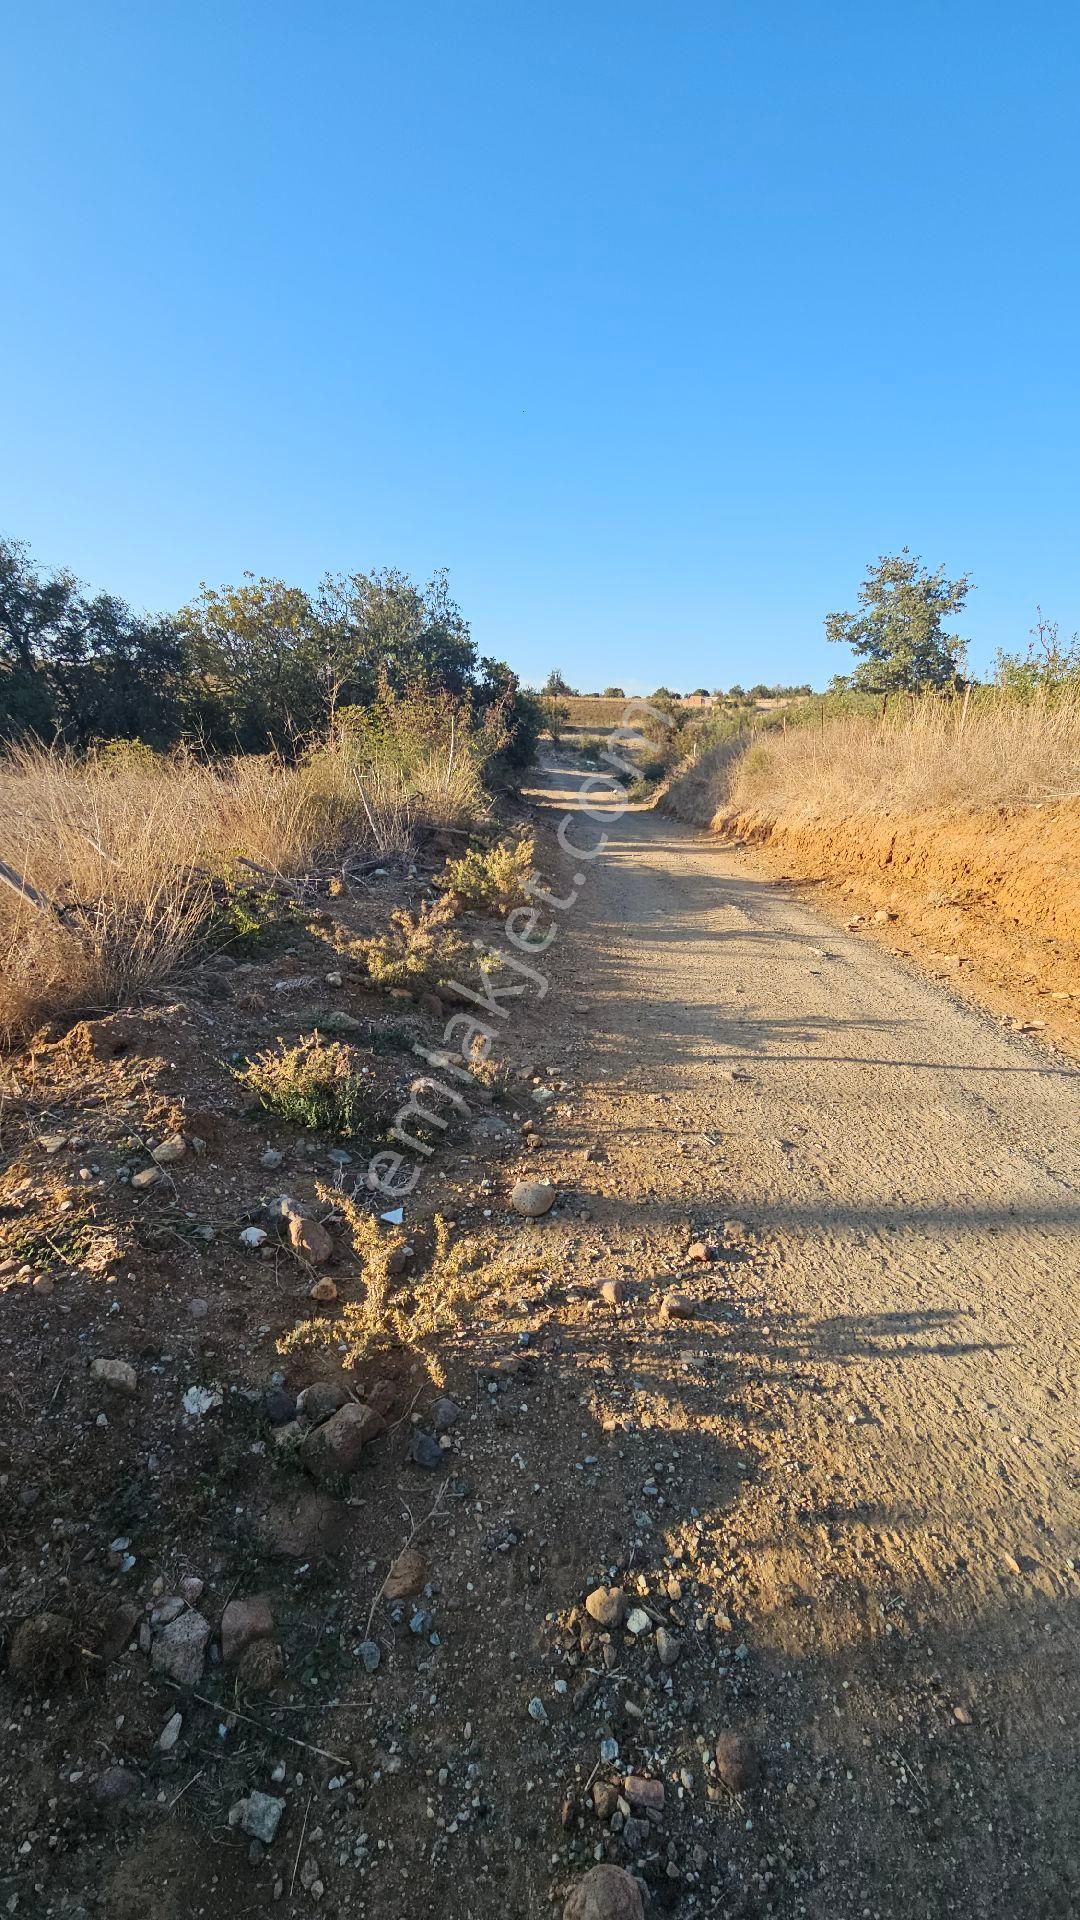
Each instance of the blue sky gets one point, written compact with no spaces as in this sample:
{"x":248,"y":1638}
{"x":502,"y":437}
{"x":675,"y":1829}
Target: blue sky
{"x":654,"y":324}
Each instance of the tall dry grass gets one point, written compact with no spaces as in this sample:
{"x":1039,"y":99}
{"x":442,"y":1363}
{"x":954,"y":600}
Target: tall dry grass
{"x":915,"y":759}
{"x":132,"y":851}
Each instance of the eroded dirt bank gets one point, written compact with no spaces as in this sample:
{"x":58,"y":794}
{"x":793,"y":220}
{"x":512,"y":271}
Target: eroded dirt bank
{"x":989,"y":900}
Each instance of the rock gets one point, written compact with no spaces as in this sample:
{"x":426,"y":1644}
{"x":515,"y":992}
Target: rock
{"x":260,"y":1667}
{"x":309,"y":1239}
{"x":537,"y":1710}
{"x":259,"y":1816}
{"x":702,"y":1251}
{"x":192,"y":1588}
{"x":445,"y":1414}
{"x":166,"y":1611}
{"x":336,"y":1446}
{"x":736,"y":1761}
{"x":42,"y":1651}
{"x":52,"y":1142}
{"x":304,"y":1526}
{"x":242,"y":1622}
{"x":179,"y":1649}
{"x":253,"y":1238}
{"x":614,"y":1293}
{"x":677,"y":1306}
{"x":118,"y":1375}
{"x":320,"y":1400}
{"x":324,"y":1291}
{"x":146,"y":1177}
{"x":607,"y":1606}
{"x":369,"y":1654}
{"x":430,"y":1004}
{"x":170,"y":1150}
{"x":398,"y":1261}
{"x":645,"y":1796}
{"x":115,"y":1785}
{"x":406,"y":1576}
{"x":120,"y":1630}
{"x":605,"y":1799}
{"x":604,"y":1893}
{"x":426,"y":1451}
{"x":638,"y":1621}
{"x":278,"y":1406}
{"x":668,"y":1646}
{"x":198,"y":1308}
{"x":533,"y":1198}
{"x":170,"y":1733}
{"x":271,"y":1159}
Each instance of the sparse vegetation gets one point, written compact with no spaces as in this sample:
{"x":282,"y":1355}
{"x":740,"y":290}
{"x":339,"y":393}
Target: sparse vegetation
{"x":320,"y":1084}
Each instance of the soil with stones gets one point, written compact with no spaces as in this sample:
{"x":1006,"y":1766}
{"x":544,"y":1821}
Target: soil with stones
{"x":723,"y":1529}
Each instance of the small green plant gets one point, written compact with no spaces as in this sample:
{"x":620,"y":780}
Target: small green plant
{"x":247,"y":917}
{"x":318,"y":1083}
{"x":417,"y":950}
{"x":494,"y":879}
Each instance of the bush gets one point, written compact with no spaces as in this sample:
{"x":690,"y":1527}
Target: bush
{"x":494,"y":880}
{"x":418,"y":950}
{"x":318,"y":1084}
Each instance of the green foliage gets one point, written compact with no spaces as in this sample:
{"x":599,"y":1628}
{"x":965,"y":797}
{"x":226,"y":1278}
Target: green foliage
{"x":494,"y":879}
{"x":613,"y":693}
{"x":417,"y":950}
{"x":1049,"y":665}
{"x":899,"y":634}
{"x":261,"y":665}
{"x":557,"y":687}
{"x":82,"y":667}
{"x":317,"y":1084}
{"x":556,"y":718}
{"x":246,"y":918}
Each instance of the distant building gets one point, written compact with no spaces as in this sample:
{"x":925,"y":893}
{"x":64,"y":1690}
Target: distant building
{"x":697,"y":700}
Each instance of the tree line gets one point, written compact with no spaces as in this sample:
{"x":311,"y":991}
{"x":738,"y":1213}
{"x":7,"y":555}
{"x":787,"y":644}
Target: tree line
{"x":249,"y":668}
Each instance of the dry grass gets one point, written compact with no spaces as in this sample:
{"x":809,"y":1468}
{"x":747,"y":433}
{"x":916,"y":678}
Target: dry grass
{"x":133,"y":851}
{"x":920,"y":759}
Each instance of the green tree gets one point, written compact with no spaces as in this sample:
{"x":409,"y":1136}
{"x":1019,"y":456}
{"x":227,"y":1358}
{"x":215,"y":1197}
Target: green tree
{"x":899,"y":634}
{"x":83,"y":667}
{"x":614,"y":693}
{"x":556,"y":687}
{"x":1049,"y":665}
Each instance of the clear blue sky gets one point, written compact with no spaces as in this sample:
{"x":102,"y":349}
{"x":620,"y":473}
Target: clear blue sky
{"x":654,"y":323}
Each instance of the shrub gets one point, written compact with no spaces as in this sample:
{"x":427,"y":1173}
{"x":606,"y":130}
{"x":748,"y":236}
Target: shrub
{"x":494,"y":879}
{"x":417,"y":950}
{"x":317,"y":1084}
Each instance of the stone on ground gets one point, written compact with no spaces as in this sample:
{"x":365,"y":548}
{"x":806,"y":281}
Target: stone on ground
{"x":604,"y":1893}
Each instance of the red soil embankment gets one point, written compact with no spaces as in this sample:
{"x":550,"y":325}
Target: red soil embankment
{"x":987,"y":898}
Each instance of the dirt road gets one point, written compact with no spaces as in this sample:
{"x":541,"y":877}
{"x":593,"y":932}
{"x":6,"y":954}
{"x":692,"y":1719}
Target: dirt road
{"x":884,"y":1460}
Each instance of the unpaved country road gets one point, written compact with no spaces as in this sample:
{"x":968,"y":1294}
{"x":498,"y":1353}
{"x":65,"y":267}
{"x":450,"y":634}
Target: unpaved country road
{"x":899,"y":1358}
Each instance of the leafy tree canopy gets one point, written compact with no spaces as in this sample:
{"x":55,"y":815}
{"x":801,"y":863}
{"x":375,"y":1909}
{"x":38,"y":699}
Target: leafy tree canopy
{"x":899,"y":634}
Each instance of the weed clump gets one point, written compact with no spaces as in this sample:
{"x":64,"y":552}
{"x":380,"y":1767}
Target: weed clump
{"x":418,"y":949}
{"x":494,"y":879}
{"x":319,"y":1084}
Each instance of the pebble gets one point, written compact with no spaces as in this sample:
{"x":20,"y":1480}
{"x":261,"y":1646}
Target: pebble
{"x":271,"y":1159}
{"x":309,"y":1239}
{"x":638,"y":1621}
{"x":253,"y":1237}
{"x":614,"y":1292}
{"x":336,"y":1445}
{"x":114,"y":1785}
{"x":537,"y":1710}
{"x":668,"y":1646}
{"x":245,"y":1620}
{"x":677,"y":1306}
{"x":644,"y":1795}
{"x":369,"y":1654}
{"x":445,"y":1414}
{"x":170,"y":1733}
{"x":146,"y":1177}
{"x":170,"y":1150}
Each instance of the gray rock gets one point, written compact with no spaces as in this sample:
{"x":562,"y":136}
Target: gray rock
{"x":278,"y":1406}
{"x":668,"y":1646}
{"x":320,"y":1400}
{"x":258,"y":1815}
{"x":533,"y":1198}
{"x":115,"y":1785}
{"x":445,"y":1414}
{"x":118,"y":1375}
{"x":245,"y":1620}
{"x":271,"y":1159}
{"x":426,"y":1451}
{"x":607,"y":1606}
{"x":337,"y":1445}
{"x":605,"y":1893}
{"x":369,"y":1653}
{"x":179,"y":1649}
{"x":170,"y":1733}
{"x":304,"y":1525}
